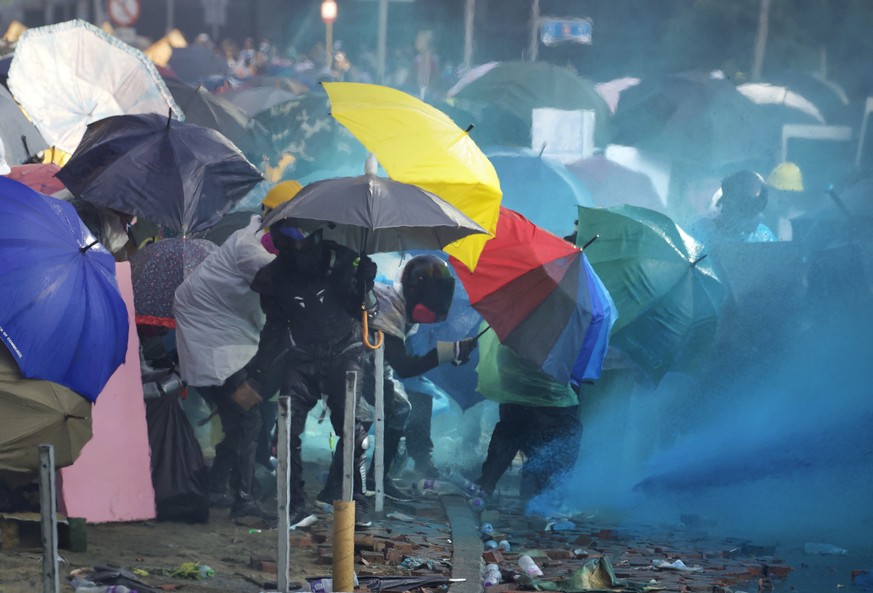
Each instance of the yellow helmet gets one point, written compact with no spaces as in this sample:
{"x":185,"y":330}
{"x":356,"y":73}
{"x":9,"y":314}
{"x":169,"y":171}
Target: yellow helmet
{"x":786,"y":176}
{"x":281,"y":193}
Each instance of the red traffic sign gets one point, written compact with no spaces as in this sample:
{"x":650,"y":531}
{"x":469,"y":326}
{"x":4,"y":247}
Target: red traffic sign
{"x":124,"y":13}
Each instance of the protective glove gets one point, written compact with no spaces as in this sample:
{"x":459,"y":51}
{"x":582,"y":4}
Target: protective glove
{"x":457,"y":353}
{"x":365,"y":275}
{"x":246,"y":397}
{"x":463,"y":349}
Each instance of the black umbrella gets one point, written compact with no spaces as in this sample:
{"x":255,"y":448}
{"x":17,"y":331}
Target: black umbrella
{"x":692,"y":118}
{"x":21,"y":139}
{"x":211,"y":111}
{"x":195,"y":63}
{"x":178,"y":175}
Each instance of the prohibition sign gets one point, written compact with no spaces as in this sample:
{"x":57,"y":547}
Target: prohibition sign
{"x":124,"y":13}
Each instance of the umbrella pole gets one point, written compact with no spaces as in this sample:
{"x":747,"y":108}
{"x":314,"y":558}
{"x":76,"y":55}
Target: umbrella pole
{"x":283,"y":493}
{"x":379,"y":451}
{"x":48,"y":519}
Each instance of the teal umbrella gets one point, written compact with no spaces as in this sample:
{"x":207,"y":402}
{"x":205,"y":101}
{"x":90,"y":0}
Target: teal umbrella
{"x":666,"y":291}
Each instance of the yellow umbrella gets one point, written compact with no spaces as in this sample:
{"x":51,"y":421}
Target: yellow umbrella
{"x":420,"y":145}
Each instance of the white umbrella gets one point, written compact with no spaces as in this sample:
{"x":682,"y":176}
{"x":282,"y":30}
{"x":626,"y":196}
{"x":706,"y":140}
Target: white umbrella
{"x":71,"y":74}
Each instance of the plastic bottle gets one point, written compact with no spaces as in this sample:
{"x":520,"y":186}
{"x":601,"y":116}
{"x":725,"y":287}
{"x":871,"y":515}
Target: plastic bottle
{"x":829,"y":549}
{"x":492,"y":575}
{"x":436,"y":487}
{"x":529,"y":567}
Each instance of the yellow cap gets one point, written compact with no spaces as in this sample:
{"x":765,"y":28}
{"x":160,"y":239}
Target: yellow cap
{"x":786,"y":176}
{"x":281,"y":193}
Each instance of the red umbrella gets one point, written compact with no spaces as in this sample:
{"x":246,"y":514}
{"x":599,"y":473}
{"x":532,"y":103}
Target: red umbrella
{"x":612,"y":184}
{"x":40,"y":177}
{"x":533,"y":289}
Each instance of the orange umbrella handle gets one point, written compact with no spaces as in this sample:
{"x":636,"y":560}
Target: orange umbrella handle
{"x":380,"y":338}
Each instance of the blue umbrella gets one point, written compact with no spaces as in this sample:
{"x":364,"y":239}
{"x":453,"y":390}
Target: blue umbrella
{"x":594,"y":346}
{"x":61,"y":314}
{"x":542,"y":189}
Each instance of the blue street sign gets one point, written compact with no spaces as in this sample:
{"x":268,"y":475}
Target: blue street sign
{"x":554,"y":31}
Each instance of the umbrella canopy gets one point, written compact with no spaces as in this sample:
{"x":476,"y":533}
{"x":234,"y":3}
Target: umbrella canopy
{"x":780,"y":96}
{"x":667,"y":295}
{"x":33,"y":413}
{"x":540,"y":188}
{"x":304,"y":128}
{"x":533,"y":289}
{"x":517,"y":88}
{"x":205,"y":109}
{"x":195,"y":63}
{"x":40,"y":177}
{"x":21,"y":140}
{"x":419,"y":144}
{"x":612,"y":184}
{"x":372,"y":214}
{"x":71,"y":74}
{"x":157,"y":270}
{"x":257,"y":99}
{"x":60,"y":310}
{"x":692,"y":118}
{"x":178,"y":175}
{"x":829,"y":98}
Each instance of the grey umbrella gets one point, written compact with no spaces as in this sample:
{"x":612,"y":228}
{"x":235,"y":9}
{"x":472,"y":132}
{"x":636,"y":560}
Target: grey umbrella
{"x":371,"y":214}
{"x":21,"y":139}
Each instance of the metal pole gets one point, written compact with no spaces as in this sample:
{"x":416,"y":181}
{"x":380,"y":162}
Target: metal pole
{"x":171,"y":15}
{"x":761,"y":40}
{"x":469,"y":22}
{"x":48,"y":519}
{"x":379,"y":451}
{"x":99,"y":12}
{"x":329,"y":48}
{"x":382,"y":41}
{"x":283,"y":493}
{"x":533,"y":45}
{"x":348,"y":436}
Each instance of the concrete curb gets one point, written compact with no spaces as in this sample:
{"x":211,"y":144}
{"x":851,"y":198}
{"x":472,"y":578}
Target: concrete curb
{"x":466,"y":545}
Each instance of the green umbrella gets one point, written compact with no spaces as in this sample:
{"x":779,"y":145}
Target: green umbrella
{"x":667,"y":294}
{"x":516,"y":88}
{"x":34,"y":412}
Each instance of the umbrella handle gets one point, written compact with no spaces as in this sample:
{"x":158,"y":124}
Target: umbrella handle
{"x":379,"y":336}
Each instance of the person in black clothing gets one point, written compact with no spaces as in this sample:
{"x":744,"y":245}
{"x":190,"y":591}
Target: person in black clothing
{"x":312,"y":295}
{"x":427,"y":291}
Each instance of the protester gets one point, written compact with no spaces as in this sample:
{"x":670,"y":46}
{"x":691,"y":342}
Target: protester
{"x":424,"y":296}
{"x":218,"y":325}
{"x":538,"y":417}
{"x":737,"y":207}
{"x":312,"y":295}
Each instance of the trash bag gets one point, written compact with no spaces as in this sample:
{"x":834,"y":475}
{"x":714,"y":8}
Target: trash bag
{"x":179,"y":472}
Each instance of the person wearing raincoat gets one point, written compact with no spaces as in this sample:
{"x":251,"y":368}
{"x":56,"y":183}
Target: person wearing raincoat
{"x":425,"y":296}
{"x":737,"y":207}
{"x":218,"y":325}
{"x":312,"y":295}
{"x":538,"y":417}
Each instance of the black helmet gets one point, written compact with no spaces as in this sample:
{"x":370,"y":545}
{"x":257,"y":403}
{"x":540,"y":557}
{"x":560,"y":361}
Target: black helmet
{"x":428,"y":287}
{"x":743,"y":192}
